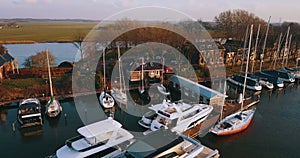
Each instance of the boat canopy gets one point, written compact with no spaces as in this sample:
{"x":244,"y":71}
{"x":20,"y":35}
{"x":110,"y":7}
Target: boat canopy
{"x":99,"y":128}
{"x":195,"y":87}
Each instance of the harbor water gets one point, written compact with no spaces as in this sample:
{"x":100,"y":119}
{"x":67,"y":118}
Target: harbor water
{"x":274,"y":131}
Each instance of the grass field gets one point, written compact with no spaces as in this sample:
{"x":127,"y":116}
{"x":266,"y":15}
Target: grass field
{"x":46,"y":31}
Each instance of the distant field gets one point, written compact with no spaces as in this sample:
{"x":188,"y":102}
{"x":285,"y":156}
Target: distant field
{"x":46,"y":31}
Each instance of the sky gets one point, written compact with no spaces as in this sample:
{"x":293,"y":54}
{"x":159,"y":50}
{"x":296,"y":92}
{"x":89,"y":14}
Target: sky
{"x":280,"y":11}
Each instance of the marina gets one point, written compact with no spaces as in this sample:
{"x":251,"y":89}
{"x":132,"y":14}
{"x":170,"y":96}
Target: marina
{"x":280,"y":106}
{"x":186,"y":117}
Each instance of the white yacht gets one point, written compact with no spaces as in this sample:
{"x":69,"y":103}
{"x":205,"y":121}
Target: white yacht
{"x":147,"y":119}
{"x":188,"y":148}
{"x":104,"y":139}
{"x":180,"y":147}
{"x":178,"y":116}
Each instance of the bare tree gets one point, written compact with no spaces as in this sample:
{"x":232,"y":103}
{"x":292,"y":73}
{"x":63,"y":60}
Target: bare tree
{"x":234,"y":23}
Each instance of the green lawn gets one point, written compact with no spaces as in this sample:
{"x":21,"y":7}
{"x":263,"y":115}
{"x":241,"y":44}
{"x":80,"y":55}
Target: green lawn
{"x":46,"y":31}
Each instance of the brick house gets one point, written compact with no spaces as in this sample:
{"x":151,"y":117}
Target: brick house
{"x":6,"y":63}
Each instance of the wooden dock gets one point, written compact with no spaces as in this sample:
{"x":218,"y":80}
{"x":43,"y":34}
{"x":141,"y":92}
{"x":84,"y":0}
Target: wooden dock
{"x":232,"y":107}
{"x":197,"y":130}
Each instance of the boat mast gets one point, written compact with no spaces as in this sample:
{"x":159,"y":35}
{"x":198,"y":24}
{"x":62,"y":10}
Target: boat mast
{"x":245,"y":44}
{"x":264,"y":47}
{"x":142,"y":77}
{"x":278,"y":49}
{"x":104,"y":78}
{"x":285,"y":46}
{"x":255,"y":49}
{"x":119,"y":59}
{"x":289,"y":49}
{"x":246,"y":71}
{"x":222,"y":107}
{"x":49,"y":74}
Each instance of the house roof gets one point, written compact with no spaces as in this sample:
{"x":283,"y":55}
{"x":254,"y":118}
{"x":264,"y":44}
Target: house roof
{"x":2,"y":61}
{"x":7,"y":57}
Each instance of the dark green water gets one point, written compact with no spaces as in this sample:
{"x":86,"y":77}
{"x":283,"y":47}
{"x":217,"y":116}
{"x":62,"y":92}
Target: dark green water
{"x":275,"y":131}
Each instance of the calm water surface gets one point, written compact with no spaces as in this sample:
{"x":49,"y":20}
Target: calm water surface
{"x":274,"y":132}
{"x":62,"y":51}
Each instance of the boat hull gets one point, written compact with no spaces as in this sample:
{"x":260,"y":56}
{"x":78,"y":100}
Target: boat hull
{"x":106,"y":100}
{"x":53,"y":108}
{"x":255,"y":88}
{"x":235,"y":128}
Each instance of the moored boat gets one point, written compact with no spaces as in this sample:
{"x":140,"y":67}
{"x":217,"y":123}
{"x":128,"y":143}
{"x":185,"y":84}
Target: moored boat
{"x":30,"y":113}
{"x":284,"y":76}
{"x":240,"y":120}
{"x":119,"y":94}
{"x":178,"y":116}
{"x":238,"y":80}
{"x":104,"y":139}
{"x":266,"y":83}
{"x":53,"y":107}
{"x":274,"y":80}
{"x":234,"y":123}
{"x":105,"y":99}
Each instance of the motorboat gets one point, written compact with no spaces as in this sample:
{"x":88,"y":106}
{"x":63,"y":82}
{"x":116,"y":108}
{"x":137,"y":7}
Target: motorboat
{"x":188,"y":148}
{"x":251,"y":83}
{"x":30,"y":113}
{"x":295,"y":73}
{"x":104,"y":139}
{"x":274,"y":80}
{"x":284,"y":76}
{"x":178,"y":116}
{"x":265,"y":83}
{"x":53,"y":107}
{"x":147,"y":119}
{"x":234,"y":123}
{"x":181,"y":147}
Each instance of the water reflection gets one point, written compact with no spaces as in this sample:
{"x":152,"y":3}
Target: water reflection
{"x":3,"y":115}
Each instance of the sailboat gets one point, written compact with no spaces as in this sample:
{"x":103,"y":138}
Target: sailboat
{"x":238,"y":121}
{"x":143,"y":93}
{"x":119,"y":94}
{"x":106,"y":100}
{"x":53,"y":106}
